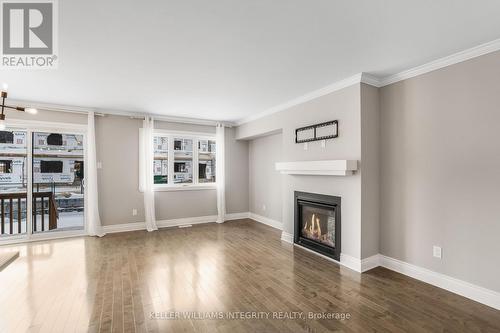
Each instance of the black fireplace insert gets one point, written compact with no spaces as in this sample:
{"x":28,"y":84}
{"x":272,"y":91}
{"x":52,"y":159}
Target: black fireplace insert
{"x":317,"y":223}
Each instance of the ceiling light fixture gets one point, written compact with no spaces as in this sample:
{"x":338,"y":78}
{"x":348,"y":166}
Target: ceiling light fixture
{"x":17,"y":108}
{"x":31,"y":110}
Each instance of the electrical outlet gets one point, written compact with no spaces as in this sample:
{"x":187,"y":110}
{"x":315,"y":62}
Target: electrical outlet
{"x":264,"y":207}
{"x":134,"y":212}
{"x":436,"y":251}
{"x":306,"y":146}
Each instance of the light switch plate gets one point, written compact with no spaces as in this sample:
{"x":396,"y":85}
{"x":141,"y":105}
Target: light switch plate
{"x":437,"y":252}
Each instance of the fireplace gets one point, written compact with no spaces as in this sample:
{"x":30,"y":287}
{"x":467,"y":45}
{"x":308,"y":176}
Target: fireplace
{"x":317,"y":223}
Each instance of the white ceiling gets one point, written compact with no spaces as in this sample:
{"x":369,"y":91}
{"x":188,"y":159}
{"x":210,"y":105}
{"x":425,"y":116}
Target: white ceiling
{"x":230,"y":59}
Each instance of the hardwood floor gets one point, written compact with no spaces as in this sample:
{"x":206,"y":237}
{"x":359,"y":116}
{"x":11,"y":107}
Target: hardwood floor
{"x":131,"y":282}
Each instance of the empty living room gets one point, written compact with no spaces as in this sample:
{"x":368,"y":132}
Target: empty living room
{"x":249,"y":166}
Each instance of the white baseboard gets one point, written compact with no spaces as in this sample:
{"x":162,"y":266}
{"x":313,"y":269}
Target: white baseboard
{"x":286,"y":237}
{"x":350,"y":262}
{"x":370,"y":262}
{"x":186,"y":221}
{"x":462,"y":288}
{"x":267,"y":221}
{"x":454,"y":285}
{"x":237,"y":216}
{"x":124,"y":227}
{"x":109,"y":229}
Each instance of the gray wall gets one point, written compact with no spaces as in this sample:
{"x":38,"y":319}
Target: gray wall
{"x":117,"y":140}
{"x":181,"y":204}
{"x":184,"y":127}
{"x":49,"y":116}
{"x":265,"y":183}
{"x":370,"y":171}
{"x":343,"y":105}
{"x":440,"y":170}
{"x":236,"y":173}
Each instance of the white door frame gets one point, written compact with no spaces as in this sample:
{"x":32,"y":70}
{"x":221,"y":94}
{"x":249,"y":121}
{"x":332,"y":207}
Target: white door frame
{"x":31,"y":126}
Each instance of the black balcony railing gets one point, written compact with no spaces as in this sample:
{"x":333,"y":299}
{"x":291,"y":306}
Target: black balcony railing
{"x":13,"y":212}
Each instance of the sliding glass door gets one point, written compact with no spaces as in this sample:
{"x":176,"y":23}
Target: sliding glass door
{"x":13,"y":182}
{"x":58,"y":181}
{"x":42,"y":180}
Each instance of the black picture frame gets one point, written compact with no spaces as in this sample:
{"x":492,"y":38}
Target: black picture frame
{"x":314,"y":128}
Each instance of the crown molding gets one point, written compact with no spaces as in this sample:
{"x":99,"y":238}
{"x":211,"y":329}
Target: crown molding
{"x":191,"y":121}
{"x":52,"y":107}
{"x":371,"y":80}
{"x":379,"y":82}
{"x":357,"y":78}
{"x":347,"y":82}
{"x":103,"y":112}
{"x":453,"y":59}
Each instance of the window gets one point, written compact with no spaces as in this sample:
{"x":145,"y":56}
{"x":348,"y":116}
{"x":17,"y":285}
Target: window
{"x":6,"y":137}
{"x":54,"y":139}
{"x":51,"y":166}
{"x":5,"y":166}
{"x":206,"y":161}
{"x":160,"y":163}
{"x":189,"y":162}
{"x":183,"y":161}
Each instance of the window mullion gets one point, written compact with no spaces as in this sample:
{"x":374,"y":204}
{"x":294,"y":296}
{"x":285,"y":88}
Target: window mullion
{"x":170,"y":160}
{"x":195,"y":161}
{"x":29,"y":184}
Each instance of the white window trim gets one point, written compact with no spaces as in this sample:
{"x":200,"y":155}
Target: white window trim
{"x":195,"y":185}
{"x":184,"y":187}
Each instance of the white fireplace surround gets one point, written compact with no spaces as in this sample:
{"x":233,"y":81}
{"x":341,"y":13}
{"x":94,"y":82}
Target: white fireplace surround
{"x":318,"y":168}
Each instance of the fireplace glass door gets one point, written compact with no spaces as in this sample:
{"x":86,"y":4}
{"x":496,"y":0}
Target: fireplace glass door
{"x":318,"y":224}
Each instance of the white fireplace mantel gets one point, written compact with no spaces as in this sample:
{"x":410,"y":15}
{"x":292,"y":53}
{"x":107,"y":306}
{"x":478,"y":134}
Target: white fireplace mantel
{"x":318,"y":168}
